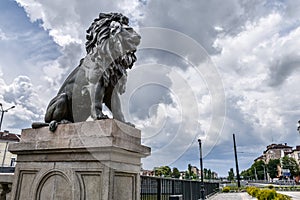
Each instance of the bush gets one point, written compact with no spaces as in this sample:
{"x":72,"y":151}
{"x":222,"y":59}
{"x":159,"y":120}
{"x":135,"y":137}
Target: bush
{"x":270,"y":187}
{"x":266,"y":194}
{"x":253,"y":191}
{"x":226,"y":189}
{"x":281,"y":197}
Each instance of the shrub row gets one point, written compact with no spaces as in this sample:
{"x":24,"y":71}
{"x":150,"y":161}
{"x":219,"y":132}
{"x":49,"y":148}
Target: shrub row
{"x":226,"y":189}
{"x":266,"y":194}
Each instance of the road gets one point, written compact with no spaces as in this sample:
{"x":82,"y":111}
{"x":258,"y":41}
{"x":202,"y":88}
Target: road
{"x":232,"y":196}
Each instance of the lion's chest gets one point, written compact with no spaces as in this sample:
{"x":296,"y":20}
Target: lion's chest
{"x":93,"y":70}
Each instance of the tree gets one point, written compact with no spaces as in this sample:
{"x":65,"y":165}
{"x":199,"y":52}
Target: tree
{"x":272,"y":167}
{"x":230,"y":175}
{"x":248,"y":174}
{"x":205,"y":173}
{"x":190,"y":174}
{"x":259,"y":169}
{"x":163,"y":171}
{"x":291,"y":164}
{"x":190,"y":169}
{"x":175,"y":173}
{"x":209,"y":174}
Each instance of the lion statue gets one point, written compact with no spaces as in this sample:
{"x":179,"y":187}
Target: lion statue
{"x":101,"y":75}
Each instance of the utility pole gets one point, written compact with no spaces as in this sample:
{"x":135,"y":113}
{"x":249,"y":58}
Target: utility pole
{"x":201,"y":168}
{"x":236,"y":163}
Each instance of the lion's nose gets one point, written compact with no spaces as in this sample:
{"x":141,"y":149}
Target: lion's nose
{"x":136,"y":38}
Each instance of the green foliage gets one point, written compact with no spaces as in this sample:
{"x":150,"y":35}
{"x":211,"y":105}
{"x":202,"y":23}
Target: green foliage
{"x":291,"y":164}
{"x":258,"y":169}
{"x":271,"y":187}
{"x":226,"y":189}
{"x":253,"y":191}
{"x":190,"y":174}
{"x":208,"y":174}
{"x":281,"y":197}
{"x":175,"y":173}
{"x":163,"y":171}
{"x":272,"y":167}
{"x":248,"y":174}
{"x":266,"y":194}
{"x":230,"y":175}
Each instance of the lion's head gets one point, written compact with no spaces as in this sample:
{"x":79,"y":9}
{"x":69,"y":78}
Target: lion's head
{"x":111,"y":37}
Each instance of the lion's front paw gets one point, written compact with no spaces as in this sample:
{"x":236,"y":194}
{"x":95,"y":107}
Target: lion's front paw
{"x":53,"y":125}
{"x":101,"y":116}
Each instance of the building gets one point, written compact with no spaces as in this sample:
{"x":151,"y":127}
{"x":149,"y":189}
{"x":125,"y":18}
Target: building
{"x":214,"y":175}
{"x":275,"y":151}
{"x":145,"y":172}
{"x":278,"y":151}
{"x":296,"y":154}
{"x":196,"y":171}
{"x":7,"y":159}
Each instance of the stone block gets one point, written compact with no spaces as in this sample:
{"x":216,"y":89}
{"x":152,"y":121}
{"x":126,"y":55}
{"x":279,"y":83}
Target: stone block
{"x":79,"y":161}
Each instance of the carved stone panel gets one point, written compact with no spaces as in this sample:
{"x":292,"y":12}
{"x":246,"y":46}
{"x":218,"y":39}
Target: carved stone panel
{"x":54,"y":186}
{"x":26,"y":179}
{"x":90,"y":185}
{"x":124,"y":186}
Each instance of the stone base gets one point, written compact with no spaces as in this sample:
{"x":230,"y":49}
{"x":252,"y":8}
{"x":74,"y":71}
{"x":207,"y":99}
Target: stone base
{"x":80,"y":161}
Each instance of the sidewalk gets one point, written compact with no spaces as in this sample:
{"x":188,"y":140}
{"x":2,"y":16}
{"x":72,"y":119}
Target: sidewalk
{"x":292,"y":194}
{"x":232,"y":196}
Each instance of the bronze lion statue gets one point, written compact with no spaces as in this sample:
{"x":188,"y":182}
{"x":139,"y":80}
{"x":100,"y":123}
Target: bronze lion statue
{"x":101,"y":75}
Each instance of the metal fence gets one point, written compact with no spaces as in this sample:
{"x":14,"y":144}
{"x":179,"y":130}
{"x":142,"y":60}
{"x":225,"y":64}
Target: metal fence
{"x":157,"y":188}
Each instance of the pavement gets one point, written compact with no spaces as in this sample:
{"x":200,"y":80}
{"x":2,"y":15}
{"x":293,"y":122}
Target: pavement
{"x":232,"y":196}
{"x":294,"y":195}
{"x":246,"y":196}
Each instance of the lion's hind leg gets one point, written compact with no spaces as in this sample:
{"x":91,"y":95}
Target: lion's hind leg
{"x":58,"y":109}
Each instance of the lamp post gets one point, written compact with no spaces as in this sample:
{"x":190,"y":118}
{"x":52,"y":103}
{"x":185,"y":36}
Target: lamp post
{"x":2,"y":113}
{"x":201,"y":171}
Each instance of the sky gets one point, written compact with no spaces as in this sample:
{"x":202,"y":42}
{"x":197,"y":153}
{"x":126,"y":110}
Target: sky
{"x":206,"y":70}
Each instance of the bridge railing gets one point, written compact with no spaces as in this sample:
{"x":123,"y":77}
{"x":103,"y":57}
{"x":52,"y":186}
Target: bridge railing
{"x":158,"y":188}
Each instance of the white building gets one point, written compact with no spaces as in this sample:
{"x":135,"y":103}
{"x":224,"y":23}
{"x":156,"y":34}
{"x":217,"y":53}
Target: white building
{"x":7,"y":159}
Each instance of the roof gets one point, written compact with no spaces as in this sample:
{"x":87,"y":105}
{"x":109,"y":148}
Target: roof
{"x":277,"y":146}
{"x":259,"y":158}
{"x":9,"y":136}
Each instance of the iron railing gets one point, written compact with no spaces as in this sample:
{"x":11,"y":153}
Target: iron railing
{"x":157,"y":188}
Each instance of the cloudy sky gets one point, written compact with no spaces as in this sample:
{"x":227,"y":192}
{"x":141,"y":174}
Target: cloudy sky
{"x":205,"y":69}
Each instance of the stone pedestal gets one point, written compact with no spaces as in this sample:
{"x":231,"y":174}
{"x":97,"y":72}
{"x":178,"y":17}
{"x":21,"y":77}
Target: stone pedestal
{"x":80,"y":161}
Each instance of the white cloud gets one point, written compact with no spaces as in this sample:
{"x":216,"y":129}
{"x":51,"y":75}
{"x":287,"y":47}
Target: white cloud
{"x":255,"y":45}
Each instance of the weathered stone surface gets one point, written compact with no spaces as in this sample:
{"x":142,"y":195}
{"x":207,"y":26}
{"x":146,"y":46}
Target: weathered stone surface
{"x":86,"y":160}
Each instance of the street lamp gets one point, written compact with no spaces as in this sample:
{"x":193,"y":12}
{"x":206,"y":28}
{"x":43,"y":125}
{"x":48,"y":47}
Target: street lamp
{"x":2,"y":113}
{"x":298,"y":129}
{"x":201,"y":168}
